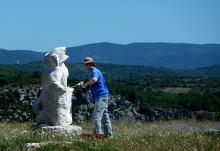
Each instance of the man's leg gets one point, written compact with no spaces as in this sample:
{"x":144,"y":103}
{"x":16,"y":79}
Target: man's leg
{"x":97,"y":117}
{"x":106,"y":120}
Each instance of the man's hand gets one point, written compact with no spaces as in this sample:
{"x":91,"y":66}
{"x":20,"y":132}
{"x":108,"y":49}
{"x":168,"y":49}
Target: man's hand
{"x":80,"y":83}
{"x":84,"y":86}
{"x":90,"y":82}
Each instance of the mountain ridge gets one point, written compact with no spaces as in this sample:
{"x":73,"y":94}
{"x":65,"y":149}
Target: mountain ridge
{"x":171,"y":55}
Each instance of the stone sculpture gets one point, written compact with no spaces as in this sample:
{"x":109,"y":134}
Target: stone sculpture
{"x":53,"y":107}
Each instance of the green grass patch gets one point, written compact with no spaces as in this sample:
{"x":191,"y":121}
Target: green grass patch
{"x":170,"y":135}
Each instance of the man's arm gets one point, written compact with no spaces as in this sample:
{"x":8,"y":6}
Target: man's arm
{"x":90,"y":82}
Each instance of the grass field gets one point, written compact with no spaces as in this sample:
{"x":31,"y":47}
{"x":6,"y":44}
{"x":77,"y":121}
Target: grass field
{"x":163,"y":136}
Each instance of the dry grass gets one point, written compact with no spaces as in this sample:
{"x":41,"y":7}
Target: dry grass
{"x":171,"y":135}
{"x":176,"y":90}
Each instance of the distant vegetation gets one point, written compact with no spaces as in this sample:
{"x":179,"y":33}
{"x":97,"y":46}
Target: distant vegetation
{"x":114,"y":71}
{"x":143,"y":86}
{"x":181,"y":93}
{"x":10,"y":76}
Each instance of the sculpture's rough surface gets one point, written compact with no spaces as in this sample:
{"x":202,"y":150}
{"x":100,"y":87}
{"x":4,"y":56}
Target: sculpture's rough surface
{"x":53,"y":107}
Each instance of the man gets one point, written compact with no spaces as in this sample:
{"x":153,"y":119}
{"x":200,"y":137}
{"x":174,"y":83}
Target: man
{"x":100,"y":98}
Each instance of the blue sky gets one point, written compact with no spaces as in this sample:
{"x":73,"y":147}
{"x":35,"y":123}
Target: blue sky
{"x":40,"y":25}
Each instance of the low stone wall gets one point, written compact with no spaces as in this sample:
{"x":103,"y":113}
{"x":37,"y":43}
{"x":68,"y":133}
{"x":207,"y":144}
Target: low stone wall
{"x":15,"y":106}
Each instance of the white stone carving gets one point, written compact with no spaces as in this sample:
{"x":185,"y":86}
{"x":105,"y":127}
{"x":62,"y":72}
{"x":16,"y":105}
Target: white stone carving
{"x":53,"y":107}
{"x":55,"y":97}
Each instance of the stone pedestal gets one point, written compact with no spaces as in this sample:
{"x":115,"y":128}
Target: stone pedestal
{"x":61,"y":130}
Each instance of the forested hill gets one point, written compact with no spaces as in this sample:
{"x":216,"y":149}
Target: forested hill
{"x":169,"y":55}
{"x":113,"y":71}
{"x":19,"y":56}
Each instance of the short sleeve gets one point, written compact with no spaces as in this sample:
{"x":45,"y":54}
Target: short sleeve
{"x":94,"y":74}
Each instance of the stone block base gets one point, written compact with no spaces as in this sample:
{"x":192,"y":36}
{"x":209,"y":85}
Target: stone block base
{"x":61,"y":130}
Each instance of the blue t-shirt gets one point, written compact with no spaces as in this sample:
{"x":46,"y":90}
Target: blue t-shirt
{"x":99,"y":88}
